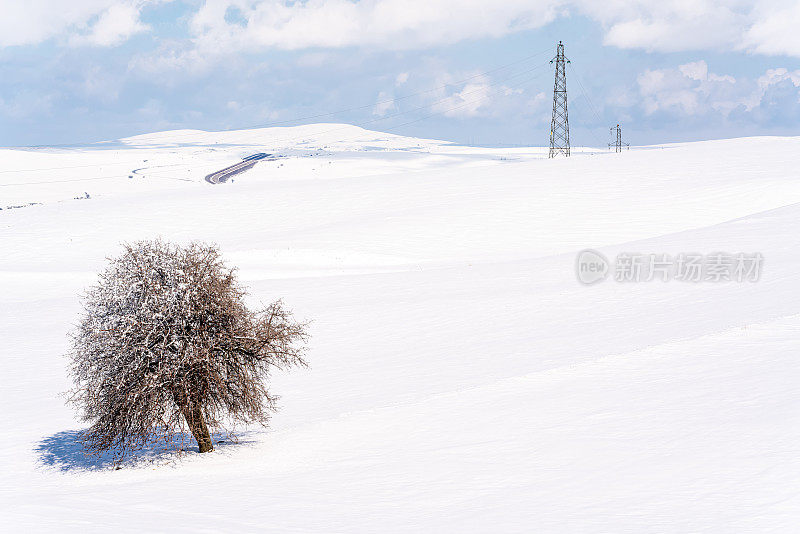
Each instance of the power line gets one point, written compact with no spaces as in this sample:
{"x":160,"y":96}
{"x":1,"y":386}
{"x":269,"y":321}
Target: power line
{"x":397,"y":99}
{"x":441,"y":112}
{"x":393,"y":100}
{"x":419,"y":108}
{"x":575,"y":118}
{"x":372,"y":121}
{"x":356,"y":108}
{"x":592,"y":107}
{"x":439,"y":101}
{"x":459,"y":106}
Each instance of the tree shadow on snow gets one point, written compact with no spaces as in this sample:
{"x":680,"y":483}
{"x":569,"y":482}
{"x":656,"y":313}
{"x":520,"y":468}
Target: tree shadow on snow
{"x":64,"y":451}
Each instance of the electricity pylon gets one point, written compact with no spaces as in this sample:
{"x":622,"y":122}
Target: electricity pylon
{"x":618,"y":144}
{"x":559,"y":126}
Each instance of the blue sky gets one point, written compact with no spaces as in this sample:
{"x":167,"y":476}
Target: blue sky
{"x":471,"y":71}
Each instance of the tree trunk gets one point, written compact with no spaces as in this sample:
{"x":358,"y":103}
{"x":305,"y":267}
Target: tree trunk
{"x":194,"y":418}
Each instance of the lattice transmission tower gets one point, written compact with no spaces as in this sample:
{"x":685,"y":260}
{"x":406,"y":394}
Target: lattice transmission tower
{"x":618,"y":144}
{"x":559,"y":126}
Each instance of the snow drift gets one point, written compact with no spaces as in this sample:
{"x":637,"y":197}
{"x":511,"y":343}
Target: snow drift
{"x":489,"y":390}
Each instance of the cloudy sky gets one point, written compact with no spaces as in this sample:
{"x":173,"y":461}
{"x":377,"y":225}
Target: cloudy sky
{"x":472,"y":71}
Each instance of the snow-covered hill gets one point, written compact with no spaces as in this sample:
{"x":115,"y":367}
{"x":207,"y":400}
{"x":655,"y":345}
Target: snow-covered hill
{"x":462,"y":379}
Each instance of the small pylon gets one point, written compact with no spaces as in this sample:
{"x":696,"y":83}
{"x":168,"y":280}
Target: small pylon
{"x":618,"y":144}
{"x":559,"y":126}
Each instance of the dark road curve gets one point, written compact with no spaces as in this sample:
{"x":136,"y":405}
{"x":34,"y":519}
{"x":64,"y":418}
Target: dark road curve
{"x":246,"y":164}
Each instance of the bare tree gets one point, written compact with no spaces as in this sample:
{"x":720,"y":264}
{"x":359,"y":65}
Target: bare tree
{"x":166,"y":341}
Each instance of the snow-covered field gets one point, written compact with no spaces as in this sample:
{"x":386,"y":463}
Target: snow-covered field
{"x":462,"y":379}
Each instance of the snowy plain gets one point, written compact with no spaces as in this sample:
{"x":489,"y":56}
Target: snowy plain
{"x":462,"y":379}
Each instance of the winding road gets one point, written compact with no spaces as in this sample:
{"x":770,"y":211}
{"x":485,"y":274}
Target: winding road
{"x":246,"y":164}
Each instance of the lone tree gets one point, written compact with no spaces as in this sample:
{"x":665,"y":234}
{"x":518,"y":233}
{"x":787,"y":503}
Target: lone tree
{"x":166,"y":343}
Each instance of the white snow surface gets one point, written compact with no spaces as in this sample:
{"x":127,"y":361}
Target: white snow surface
{"x":462,"y":379}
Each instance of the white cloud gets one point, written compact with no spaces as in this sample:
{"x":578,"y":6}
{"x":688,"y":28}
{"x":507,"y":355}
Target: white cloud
{"x":465,"y":103}
{"x":774,"y":31}
{"x":775,"y":76}
{"x":28,"y":103}
{"x":690,"y":89}
{"x":99,"y":22}
{"x":759,"y":26}
{"x":668,"y":89}
{"x":384,"y":104}
{"x":96,"y":84}
{"x":114,"y":26}
{"x":755,"y":26}
{"x":388,"y":24}
{"x":33,"y":21}
{"x":779,"y":82}
{"x":697,"y":70}
{"x":671,"y":25}
{"x":171,"y":57}
{"x":479,"y":97}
